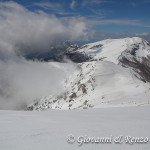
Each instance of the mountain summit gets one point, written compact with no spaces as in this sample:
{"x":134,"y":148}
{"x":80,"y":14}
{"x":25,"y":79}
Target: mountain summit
{"x":116,"y":72}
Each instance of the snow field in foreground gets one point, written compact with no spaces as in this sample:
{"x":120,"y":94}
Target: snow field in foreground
{"x":48,"y":130}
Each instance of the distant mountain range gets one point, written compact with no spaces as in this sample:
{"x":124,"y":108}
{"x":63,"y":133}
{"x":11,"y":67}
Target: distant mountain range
{"x":109,"y":73}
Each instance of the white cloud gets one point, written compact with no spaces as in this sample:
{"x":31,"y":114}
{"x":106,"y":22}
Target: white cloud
{"x":30,"y":32}
{"x":98,"y":36}
{"x":142,"y":34}
{"x":115,"y":21}
{"x":145,"y":36}
{"x":72,"y":5}
{"x":54,"y":7}
{"x":93,"y":2}
{"x":124,"y":22}
{"x":27,"y":32}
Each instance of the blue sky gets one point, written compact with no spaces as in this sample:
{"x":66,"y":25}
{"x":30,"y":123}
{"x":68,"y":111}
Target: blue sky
{"x":130,"y":17}
{"x":105,"y":15}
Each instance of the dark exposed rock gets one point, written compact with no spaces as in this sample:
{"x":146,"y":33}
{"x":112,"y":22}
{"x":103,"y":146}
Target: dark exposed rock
{"x":77,"y":57}
{"x":148,"y":44}
{"x":134,"y":49}
{"x":82,"y":87}
{"x":73,"y":95}
{"x":96,"y":46}
{"x":85,"y":102}
{"x":85,"y":46}
{"x":142,"y":68}
{"x":30,"y":108}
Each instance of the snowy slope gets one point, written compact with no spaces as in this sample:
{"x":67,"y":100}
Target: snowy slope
{"x":48,"y":130}
{"x":112,"y":49}
{"x":98,"y":84}
{"x":103,"y":82}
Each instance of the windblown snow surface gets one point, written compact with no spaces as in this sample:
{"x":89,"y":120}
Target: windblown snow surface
{"x":48,"y":130}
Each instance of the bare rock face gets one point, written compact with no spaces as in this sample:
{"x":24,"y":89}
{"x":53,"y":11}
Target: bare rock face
{"x":141,"y":67}
{"x":77,"y":57}
{"x":135,"y":59}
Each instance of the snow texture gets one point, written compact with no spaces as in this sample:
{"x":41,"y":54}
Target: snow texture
{"x":47,"y":130}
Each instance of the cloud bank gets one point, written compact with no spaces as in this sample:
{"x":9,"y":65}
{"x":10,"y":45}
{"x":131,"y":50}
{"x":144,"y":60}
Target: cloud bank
{"x":22,"y":33}
{"x":34,"y":32}
{"x":22,"y":82}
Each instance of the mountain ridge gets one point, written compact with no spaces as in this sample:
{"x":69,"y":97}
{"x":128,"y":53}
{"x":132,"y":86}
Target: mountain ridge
{"x":107,"y":79}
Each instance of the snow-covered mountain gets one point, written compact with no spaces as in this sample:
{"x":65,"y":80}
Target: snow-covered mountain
{"x":112,"y":49}
{"x":56,"y":52}
{"x":111,"y":75}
